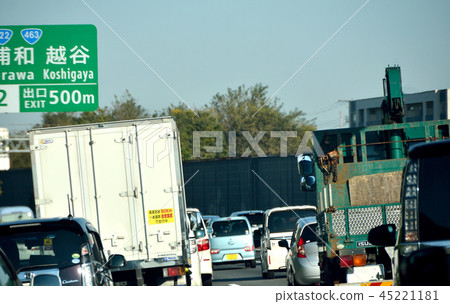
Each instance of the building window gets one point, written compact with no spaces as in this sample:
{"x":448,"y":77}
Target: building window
{"x":374,"y":116}
{"x":443,"y":109}
{"x":414,"y":112}
{"x":361,"y":118}
{"x":429,"y":110}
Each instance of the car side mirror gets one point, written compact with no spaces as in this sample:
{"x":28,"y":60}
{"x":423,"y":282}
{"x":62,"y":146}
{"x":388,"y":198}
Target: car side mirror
{"x":209,"y":230}
{"x":383,"y":235}
{"x":283,"y":243}
{"x":45,"y":280}
{"x":117,"y":261}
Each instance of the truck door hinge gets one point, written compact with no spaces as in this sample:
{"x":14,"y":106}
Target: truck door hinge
{"x":171,"y":134}
{"x":43,"y":201}
{"x":114,"y":239}
{"x":37,"y":147}
{"x":170,"y":190}
{"x":134,"y":193}
{"x":123,"y":140}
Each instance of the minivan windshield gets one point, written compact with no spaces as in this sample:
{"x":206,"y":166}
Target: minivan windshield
{"x":57,"y":247}
{"x":284,"y":221}
{"x":434,"y":193}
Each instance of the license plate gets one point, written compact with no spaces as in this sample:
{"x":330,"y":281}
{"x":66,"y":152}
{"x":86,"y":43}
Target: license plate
{"x":231,"y":257}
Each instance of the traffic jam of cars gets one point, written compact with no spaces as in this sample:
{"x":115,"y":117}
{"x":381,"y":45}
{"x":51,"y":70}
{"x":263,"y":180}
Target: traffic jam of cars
{"x":378,"y":215}
{"x":309,"y":245}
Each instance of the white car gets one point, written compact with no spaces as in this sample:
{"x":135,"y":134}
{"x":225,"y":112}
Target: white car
{"x":203,"y":245}
{"x":278,"y":224}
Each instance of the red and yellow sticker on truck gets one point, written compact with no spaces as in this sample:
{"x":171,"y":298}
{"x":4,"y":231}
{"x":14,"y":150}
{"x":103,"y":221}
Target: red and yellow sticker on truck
{"x":160,"y":216}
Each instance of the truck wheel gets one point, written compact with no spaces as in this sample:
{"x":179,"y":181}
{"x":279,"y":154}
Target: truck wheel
{"x":206,"y":279}
{"x":327,"y":272}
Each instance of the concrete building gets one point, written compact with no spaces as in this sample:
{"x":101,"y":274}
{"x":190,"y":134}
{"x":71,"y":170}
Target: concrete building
{"x":429,"y":105}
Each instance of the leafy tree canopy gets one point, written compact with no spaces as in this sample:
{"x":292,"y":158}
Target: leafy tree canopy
{"x":239,"y":115}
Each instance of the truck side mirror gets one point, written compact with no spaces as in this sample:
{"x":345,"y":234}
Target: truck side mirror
{"x":306,"y":171}
{"x":383,"y":235}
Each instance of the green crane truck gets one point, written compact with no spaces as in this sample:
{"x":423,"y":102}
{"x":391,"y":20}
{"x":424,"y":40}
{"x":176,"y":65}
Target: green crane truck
{"x":357,"y":179}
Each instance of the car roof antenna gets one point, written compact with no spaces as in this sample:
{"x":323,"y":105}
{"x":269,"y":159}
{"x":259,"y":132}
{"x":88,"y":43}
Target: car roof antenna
{"x":70,"y":216}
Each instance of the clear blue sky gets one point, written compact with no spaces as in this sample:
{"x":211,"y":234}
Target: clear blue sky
{"x":201,"y":48}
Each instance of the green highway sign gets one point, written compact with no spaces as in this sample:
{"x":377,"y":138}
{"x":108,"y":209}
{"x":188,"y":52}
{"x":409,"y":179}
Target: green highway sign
{"x":48,"y":68}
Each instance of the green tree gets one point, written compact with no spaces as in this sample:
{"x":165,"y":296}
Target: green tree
{"x":50,"y":119}
{"x":240,"y":110}
{"x":19,"y":160}
{"x":125,"y":108}
{"x":248,"y":109}
{"x":188,"y":122}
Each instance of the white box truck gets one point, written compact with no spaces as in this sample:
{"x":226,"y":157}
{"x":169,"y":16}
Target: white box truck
{"x":126,"y":178}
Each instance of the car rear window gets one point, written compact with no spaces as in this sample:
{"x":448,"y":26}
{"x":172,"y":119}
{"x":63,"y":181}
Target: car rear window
{"x":230,"y":228}
{"x":284,"y":221}
{"x":309,"y":233}
{"x":56,"y":247}
{"x":255,"y":218}
{"x":434,"y":192}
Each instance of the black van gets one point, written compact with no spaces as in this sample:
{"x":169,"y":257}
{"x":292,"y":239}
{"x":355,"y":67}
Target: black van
{"x":59,"y":251}
{"x":422,"y":244}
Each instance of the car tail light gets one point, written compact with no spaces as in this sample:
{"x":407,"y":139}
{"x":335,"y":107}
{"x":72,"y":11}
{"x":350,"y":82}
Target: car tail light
{"x":215,"y":251}
{"x":249,"y":248}
{"x":301,"y":249}
{"x":203,"y":245}
{"x":346,"y":261}
{"x":359,"y":260}
{"x":173,"y":272}
{"x":410,"y":206}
